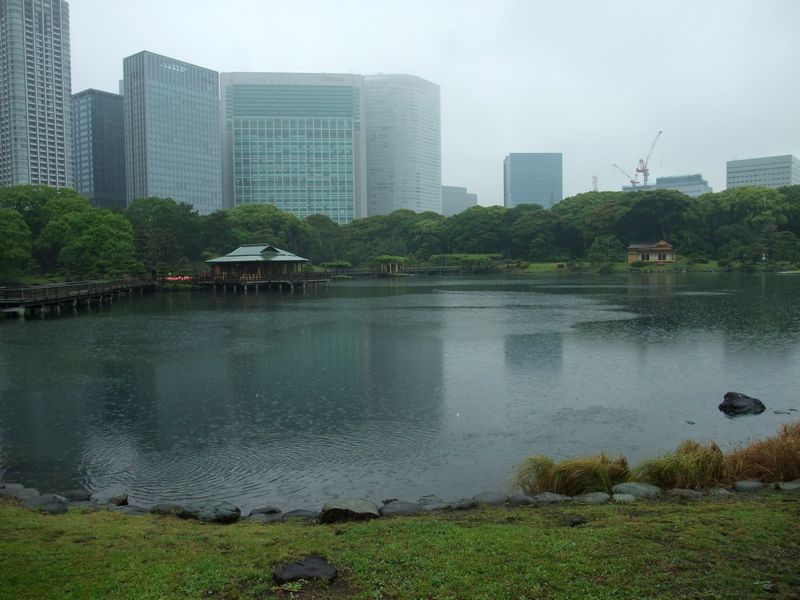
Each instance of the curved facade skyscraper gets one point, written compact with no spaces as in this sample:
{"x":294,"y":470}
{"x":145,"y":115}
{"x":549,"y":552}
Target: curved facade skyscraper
{"x":404,"y":146}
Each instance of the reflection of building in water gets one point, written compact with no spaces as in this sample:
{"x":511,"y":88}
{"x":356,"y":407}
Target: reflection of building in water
{"x":304,"y":372}
{"x":534,"y":351}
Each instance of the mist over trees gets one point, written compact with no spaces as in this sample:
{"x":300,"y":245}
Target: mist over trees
{"x":55,"y":231}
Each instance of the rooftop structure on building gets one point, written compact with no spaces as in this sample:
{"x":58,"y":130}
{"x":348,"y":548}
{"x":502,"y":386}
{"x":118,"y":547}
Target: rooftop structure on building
{"x":691,"y":185}
{"x":172,"y":144}
{"x":456,"y":200}
{"x":99,"y":147}
{"x":767,"y":171}
{"x":296,"y":141}
{"x":533,"y":178}
{"x":35,"y":93}
{"x":403,"y":137}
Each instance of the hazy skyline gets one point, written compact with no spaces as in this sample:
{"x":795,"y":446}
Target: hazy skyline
{"x":593,"y":80}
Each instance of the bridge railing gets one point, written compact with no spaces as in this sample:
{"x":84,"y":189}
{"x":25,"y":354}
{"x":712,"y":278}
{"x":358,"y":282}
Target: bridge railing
{"x":65,"y":291}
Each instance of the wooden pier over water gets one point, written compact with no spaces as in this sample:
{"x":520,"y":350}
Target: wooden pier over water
{"x":39,"y":299}
{"x":245,"y":283}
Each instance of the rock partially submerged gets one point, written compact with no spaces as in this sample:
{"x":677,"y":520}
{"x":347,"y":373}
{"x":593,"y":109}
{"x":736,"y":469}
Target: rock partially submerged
{"x":218,"y":512}
{"x":18,"y":491}
{"x":592,"y":498}
{"x":736,"y":404}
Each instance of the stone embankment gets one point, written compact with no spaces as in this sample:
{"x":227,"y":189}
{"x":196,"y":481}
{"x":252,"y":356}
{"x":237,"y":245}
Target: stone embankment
{"x":361,"y":510}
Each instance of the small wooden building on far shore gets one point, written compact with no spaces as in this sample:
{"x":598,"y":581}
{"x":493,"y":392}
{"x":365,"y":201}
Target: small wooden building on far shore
{"x":658,"y":253}
{"x":256,"y":262}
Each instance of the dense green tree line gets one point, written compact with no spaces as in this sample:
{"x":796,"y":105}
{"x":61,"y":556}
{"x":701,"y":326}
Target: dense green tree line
{"x":49,"y":231}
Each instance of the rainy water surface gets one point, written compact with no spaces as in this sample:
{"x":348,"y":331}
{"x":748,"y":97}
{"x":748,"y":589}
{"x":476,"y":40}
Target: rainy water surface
{"x":383,"y":389}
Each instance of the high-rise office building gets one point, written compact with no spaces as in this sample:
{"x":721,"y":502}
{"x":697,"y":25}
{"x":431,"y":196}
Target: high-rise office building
{"x":691,"y":185}
{"x":404,"y":148}
{"x":296,"y":141}
{"x":532,"y":178}
{"x":35,"y":93}
{"x":172,"y":145}
{"x":456,"y":200}
{"x":99,"y":147}
{"x":768,"y":171}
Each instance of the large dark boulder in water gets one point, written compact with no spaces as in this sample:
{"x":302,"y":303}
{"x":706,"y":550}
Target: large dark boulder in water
{"x":736,"y":404}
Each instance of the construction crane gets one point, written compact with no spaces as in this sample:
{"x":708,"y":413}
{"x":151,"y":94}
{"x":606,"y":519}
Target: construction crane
{"x":634,"y":180}
{"x":644,"y":162}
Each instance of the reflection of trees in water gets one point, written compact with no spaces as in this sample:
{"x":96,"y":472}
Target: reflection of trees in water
{"x":746,"y":309}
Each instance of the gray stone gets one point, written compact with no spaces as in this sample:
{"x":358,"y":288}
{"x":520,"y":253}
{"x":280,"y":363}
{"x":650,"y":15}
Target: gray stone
{"x":129,"y":510}
{"x":624,"y":498}
{"x":433,"y":504}
{"x":683,"y":493}
{"x":464,"y":504}
{"x":592,"y":498}
{"x":266,"y":510}
{"x":521,"y":500}
{"x":301,"y":514}
{"x":736,"y":404}
{"x":18,"y":491}
{"x":399,"y":508}
{"x":789,"y":486}
{"x":119,"y":500}
{"x":550,"y":498}
{"x":781,"y":412}
{"x":491,"y":498}
{"x":77,"y":496}
{"x":640,"y":490}
{"x":749,"y":486}
{"x":172,"y":509}
{"x":265,"y":518}
{"x":313,"y":567}
{"x":719,"y":492}
{"x":218,"y":512}
{"x":336,"y":511}
{"x":48,"y":503}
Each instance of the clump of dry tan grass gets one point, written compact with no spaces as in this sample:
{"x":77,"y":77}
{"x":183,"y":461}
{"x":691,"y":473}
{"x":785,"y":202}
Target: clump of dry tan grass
{"x":571,"y":477}
{"x":775,"y":458}
{"x":693,"y":465}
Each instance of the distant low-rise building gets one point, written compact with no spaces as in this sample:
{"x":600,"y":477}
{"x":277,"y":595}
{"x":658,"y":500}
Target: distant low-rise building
{"x":456,"y":200}
{"x":651,"y":252}
{"x":691,"y":185}
{"x":767,"y":171}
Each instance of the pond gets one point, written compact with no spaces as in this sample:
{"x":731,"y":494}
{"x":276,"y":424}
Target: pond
{"x":388,"y":388}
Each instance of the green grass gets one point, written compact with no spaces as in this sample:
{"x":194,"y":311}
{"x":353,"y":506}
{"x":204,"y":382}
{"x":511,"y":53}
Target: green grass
{"x":727,"y":549}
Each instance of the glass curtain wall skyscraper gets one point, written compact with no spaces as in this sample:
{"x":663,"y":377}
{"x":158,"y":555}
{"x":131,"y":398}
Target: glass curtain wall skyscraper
{"x":295,"y":141}
{"x":35,"y":93}
{"x":532,"y":178}
{"x":404,"y":148}
{"x":99,"y":136}
{"x":172,"y":145}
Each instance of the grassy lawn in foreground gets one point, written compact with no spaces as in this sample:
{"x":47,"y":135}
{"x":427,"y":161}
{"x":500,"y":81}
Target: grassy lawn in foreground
{"x":745,"y":547}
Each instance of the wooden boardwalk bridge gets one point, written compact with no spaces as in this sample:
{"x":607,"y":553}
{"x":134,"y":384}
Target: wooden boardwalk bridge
{"x":39,"y":299}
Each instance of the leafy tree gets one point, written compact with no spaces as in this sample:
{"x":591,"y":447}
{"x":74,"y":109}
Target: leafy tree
{"x":15,"y":245}
{"x":254,"y":223}
{"x":38,"y":204}
{"x":165,"y":232}
{"x":97,"y":243}
{"x":479,"y":229}
{"x":606,"y":249}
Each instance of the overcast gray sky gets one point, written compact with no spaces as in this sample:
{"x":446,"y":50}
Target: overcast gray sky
{"x":595,"y":80}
